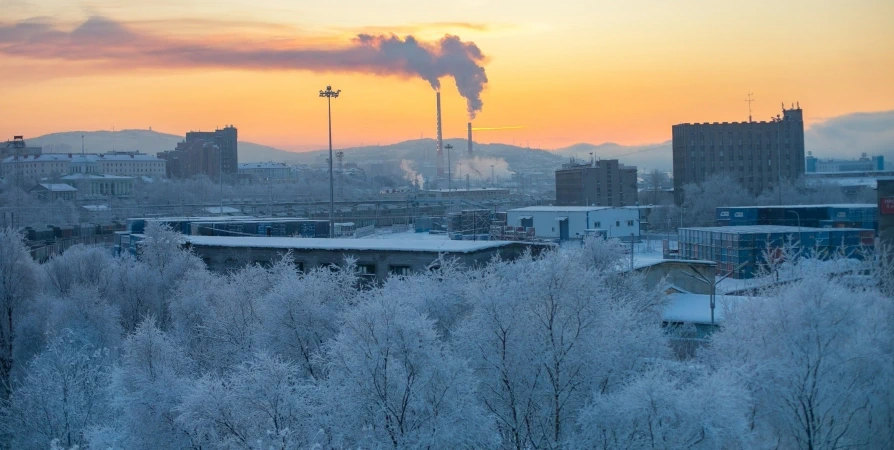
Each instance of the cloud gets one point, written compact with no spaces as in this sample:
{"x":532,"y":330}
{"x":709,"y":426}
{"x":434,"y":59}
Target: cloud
{"x":108,"y":44}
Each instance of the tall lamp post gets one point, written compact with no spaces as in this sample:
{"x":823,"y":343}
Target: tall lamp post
{"x":329,"y":94}
{"x":449,"y":175}
{"x":713,"y":284}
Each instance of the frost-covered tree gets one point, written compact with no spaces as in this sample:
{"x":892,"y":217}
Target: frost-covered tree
{"x":405,"y":388}
{"x":301,"y":313}
{"x":263,"y":404}
{"x":544,"y":335}
{"x":662,"y":410}
{"x":150,"y":380}
{"x":61,"y":397}
{"x":18,"y":285}
{"x":816,"y":357}
{"x":79,"y":265}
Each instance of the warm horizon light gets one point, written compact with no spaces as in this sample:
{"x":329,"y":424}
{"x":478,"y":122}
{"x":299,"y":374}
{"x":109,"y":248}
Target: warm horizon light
{"x":573,"y":72}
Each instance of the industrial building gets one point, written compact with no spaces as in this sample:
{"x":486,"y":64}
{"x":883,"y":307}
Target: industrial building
{"x":597,"y":183}
{"x":743,"y":250}
{"x":576,"y":222}
{"x":863,"y":164}
{"x":18,"y":147}
{"x":759,"y":155}
{"x":858,"y":215}
{"x":376,"y":258}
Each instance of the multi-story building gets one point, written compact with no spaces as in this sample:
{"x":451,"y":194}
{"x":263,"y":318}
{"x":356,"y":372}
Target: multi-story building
{"x":193,"y":158}
{"x":759,"y":155}
{"x":864,"y":164}
{"x":49,"y":165}
{"x":226,"y":140}
{"x":599,"y":183}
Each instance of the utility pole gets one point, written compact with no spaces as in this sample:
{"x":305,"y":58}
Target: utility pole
{"x":329,"y":94}
{"x":631,"y":252}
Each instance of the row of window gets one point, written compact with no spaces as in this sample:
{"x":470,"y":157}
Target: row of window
{"x":598,"y":225}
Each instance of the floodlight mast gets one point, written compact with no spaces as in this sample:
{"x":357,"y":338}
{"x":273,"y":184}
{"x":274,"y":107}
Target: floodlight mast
{"x":329,"y":94}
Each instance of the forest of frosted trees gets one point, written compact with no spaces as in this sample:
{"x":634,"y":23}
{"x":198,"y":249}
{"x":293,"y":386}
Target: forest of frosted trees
{"x":566,"y":350}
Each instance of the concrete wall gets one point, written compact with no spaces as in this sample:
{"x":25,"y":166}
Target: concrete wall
{"x":222,"y":259}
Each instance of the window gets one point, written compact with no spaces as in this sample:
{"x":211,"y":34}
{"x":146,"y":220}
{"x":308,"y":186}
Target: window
{"x":400,"y":271}
{"x":366,"y":269}
{"x":617,"y":223}
{"x":597,"y":224}
{"x":629,"y":223}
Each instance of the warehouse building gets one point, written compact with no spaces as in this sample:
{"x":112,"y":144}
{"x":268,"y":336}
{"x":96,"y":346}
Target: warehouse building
{"x":576,"y":222}
{"x":376,"y":258}
{"x":744,"y":251}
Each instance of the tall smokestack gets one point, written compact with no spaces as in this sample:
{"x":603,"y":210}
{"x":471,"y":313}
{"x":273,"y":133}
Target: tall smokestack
{"x":440,"y":141}
{"x":470,"y":139}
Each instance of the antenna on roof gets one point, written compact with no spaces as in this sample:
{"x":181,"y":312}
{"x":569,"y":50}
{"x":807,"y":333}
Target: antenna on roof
{"x":749,"y":99}
{"x":82,"y":144}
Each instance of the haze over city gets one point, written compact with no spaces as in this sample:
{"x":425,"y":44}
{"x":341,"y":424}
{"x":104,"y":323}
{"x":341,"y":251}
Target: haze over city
{"x":566,"y":72}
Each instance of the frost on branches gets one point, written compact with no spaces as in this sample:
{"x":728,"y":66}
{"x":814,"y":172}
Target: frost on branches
{"x":566,"y":350}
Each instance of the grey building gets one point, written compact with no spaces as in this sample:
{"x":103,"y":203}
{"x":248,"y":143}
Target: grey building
{"x":757,"y":154}
{"x":886,"y":212}
{"x":598,"y":183}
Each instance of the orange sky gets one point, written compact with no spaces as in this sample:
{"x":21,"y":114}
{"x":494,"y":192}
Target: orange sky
{"x":567,"y":71}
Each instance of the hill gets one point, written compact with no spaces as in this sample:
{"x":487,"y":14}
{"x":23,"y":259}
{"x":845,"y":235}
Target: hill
{"x":146,"y":141}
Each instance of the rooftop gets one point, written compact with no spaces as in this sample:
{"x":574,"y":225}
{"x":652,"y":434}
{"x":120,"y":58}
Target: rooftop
{"x":263,"y":165}
{"x":58,"y":187}
{"x":95,"y":176}
{"x":466,"y":190}
{"x":752,"y":229}
{"x":446,"y":246}
{"x":696,"y":308}
{"x":561,"y":208}
{"x":831,"y":205}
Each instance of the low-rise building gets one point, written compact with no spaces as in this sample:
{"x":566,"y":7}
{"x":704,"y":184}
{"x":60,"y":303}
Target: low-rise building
{"x":604,"y":182}
{"x":376,"y":258}
{"x":93,"y":186}
{"x":60,"y":164}
{"x":263,"y":171}
{"x":53,"y":191}
{"x":576,"y":222}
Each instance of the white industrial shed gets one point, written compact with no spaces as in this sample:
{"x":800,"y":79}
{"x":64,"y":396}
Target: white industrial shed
{"x":575,"y":222}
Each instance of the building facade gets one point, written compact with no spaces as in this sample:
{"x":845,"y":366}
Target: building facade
{"x":576,"y":222}
{"x":226,"y":140}
{"x":759,"y":155}
{"x":17,"y":147}
{"x":59,"y":164}
{"x":266,"y":171}
{"x":600,"y":183}
{"x":194,"y":158}
{"x":53,"y":191}
{"x":863,"y":164}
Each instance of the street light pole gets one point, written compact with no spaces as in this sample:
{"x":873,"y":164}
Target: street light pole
{"x":330,"y":94}
{"x":449,"y":176}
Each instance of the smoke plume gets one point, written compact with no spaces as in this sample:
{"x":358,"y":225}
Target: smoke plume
{"x":481,"y":167}
{"x":108,"y":44}
{"x":410,"y":174}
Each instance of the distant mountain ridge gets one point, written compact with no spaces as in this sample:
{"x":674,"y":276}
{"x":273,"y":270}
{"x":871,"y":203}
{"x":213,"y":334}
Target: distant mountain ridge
{"x":844,"y":136}
{"x":146,"y":141}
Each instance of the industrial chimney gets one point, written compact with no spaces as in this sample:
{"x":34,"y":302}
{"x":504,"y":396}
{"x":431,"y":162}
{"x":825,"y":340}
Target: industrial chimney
{"x":470,"y":139}
{"x":440,"y":141}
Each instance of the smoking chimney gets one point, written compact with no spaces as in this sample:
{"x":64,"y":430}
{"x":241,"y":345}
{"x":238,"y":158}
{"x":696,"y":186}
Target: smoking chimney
{"x":470,"y":139}
{"x":440,"y":141}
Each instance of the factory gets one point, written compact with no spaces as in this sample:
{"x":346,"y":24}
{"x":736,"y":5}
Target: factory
{"x":576,"y":222}
{"x":376,"y":259}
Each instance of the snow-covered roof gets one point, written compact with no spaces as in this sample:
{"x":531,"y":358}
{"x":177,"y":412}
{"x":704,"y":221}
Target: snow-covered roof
{"x":759,"y":229}
{"x":650,"y":259}
{"x":95,"y":176}
{"x":221,"y":210}
{"x":560,"y":209}
{"x":466,"y":190}
{"x":831,"y":205}
{"x":263,"y":165}
{"x":128,"y":157}
{"x":434,"y":246}
{"x":58,"y":187}
{"x":696,"y":308}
